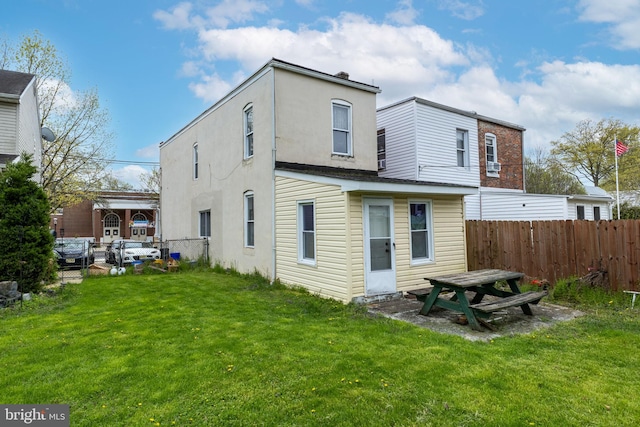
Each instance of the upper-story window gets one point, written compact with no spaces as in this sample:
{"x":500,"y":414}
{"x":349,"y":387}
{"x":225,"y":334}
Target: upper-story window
{"x":249,"y":220}
{"x":248,"y":131}
{"x":462,"y":147}
{"x":341,"y":116}
{"x":490,"y":143}
{"x":195,"y":161}
{"x":382,"y":150}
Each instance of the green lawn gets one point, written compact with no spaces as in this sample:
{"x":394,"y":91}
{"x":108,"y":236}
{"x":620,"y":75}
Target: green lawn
{"x":204,"y":349}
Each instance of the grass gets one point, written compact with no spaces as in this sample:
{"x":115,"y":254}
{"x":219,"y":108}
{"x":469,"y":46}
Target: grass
{"x":204,"y":348}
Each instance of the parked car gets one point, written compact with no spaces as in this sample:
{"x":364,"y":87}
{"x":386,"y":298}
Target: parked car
{"x":128,"y":251}
{"x":74,"y":253}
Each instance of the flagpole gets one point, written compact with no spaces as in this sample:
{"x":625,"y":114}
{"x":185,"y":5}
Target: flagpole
{"x":615,"y":155}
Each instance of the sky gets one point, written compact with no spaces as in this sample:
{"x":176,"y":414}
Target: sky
{"x":156,"y":64}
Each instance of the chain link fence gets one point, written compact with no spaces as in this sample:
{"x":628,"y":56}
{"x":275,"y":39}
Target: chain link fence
{"x":191,"y":249}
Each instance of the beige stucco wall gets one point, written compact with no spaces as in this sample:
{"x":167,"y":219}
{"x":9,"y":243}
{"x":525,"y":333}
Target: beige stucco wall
{"x":305,"y":129}
{"x":224,"y":177}
{"x":339,"y":270}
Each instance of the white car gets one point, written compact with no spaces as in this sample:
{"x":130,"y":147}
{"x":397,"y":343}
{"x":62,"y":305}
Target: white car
{"x":128,"y":251}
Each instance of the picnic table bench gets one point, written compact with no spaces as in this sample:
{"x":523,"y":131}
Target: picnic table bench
{"x":482,"y":282}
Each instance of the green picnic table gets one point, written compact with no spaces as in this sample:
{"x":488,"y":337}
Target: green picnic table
{"x":482,"y":282}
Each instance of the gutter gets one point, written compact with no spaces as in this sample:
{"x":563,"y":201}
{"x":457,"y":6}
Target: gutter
{"x":273,"y":175}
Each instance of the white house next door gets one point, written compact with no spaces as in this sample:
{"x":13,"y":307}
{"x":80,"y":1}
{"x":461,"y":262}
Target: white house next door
{"x":380,"y":272}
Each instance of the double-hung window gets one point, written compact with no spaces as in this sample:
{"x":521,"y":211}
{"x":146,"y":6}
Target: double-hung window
{"x":249,"y":220}
{"x":248,"y":131}
{"x":306,"y":232}
{"x":421,"y":231}
{"x":341,"y":117}
{"x":462,"y":144}
{"x":493,"y":167}
{"x":205,"y":224}
{"x":195,"y":161}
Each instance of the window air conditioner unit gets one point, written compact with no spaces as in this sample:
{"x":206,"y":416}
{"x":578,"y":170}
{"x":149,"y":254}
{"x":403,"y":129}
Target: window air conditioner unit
{"x":493,"y":167}
{"x":382,"y":164}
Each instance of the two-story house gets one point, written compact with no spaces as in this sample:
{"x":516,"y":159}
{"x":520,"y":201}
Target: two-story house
{"x":424,"y":140}
{"x":19,"y":118}
{"x":281,"y":175}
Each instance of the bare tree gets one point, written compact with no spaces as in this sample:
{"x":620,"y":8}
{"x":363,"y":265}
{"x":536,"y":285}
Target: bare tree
{"x":545,"y":175}
{"x":75,"y":162}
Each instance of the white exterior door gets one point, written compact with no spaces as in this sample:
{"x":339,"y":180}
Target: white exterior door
{"x":111,"y":228}
{"x":380,"y":274}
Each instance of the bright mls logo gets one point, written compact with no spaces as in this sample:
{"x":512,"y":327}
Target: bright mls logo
{"x":34,"y":415}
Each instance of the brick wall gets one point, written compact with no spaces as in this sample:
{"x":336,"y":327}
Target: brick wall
{"x":509,"y":150}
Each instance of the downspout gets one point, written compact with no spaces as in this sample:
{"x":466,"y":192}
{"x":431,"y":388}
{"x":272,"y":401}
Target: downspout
{"x":273,"y":175}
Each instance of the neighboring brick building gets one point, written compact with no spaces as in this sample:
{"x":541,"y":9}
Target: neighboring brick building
{"x":113,"y":215}
{"x":501,"y":143}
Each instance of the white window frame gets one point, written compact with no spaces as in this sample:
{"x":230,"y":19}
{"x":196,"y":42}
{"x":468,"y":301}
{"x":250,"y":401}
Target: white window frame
{"x":598,"y":216}
{"x":206,"y":216}
{"x":428,"y":208}
{"x":584,"y":212}
{"x":464,"y":149}
{"x":348,"y":131}
{"x":249,"y":220}
{"x":302,"y":232}
{"x":248,"y":133}
{"x":195,"y":161}
{"x":490,"y":140}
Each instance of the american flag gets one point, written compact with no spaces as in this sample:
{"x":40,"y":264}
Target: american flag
{"x":621,"y":148}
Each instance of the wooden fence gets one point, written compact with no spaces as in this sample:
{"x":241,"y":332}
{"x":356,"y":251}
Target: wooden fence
{"x":554,"y":250}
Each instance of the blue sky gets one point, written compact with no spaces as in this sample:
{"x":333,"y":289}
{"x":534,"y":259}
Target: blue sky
{"x":542,"y":64}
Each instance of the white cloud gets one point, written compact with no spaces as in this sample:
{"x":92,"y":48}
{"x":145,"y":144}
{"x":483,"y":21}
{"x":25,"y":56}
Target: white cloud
{"x":405,"y":14}
{"x":151,"y":152}
{"x":131,"y":175}
{"x":463,"y":10}
{"x":413,"y":60}
{"x":183,"y":16}
{"x":622,"y":15}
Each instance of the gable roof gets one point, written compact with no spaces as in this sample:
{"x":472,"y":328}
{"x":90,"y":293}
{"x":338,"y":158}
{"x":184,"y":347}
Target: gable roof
{"x":13,"y":84}
{"x":339,"y":78}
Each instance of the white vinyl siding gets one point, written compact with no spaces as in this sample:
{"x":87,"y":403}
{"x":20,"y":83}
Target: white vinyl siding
{"x":421,"y":144}
{"x":8,"y":128}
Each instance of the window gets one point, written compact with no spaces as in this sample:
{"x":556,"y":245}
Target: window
{"x":493,"y":167}
{"x":421,"y":239}
{"x":462,"y":142}
{"x":248,"y":131}
{"x":204,"y":230}
{"x":341,"y":116}
{"x":306,"y":232}
{"x":580,"y":212}
{"x":195,"y":161}
{"x":249,"y":228}
{"x":382,"y":150}
{"x":596,"y":213}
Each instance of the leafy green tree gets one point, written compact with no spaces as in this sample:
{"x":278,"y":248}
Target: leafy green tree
{"x":544,"y":175}
{"x":73,"y":164}
{"x":588,"y":150}
{"x":27,"y":244}
{"x":627,"y":211}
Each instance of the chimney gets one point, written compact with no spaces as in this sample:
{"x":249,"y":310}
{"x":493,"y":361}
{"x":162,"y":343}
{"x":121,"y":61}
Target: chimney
{"x":342,"y":75}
